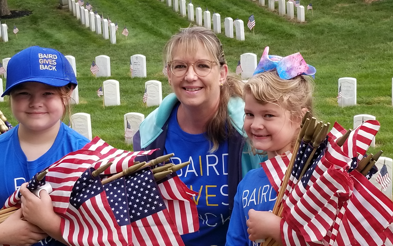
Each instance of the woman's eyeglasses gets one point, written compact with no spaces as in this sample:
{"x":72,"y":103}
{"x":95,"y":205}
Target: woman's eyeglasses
{"x":201,"y":67}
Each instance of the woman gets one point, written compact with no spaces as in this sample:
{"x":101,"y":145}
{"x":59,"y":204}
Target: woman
{"x":201,"y":122}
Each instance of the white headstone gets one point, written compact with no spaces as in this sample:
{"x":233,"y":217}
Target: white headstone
{"x":98,"y":24}
{"x":132,"y":122}
{"x":138,"y":63}
{"x":71,"y":60}
{"x":229,"y":27}
{"x":87,"y":17}
{"x":104,"y":64}
{"x":4,"y":32}
{"x":249,"y":63}
{"x":73,"y":7}
{"x":388,"y":162}
{"x":5,"y":65}
{"x":0,"y":29}
{"x":169,"y":3}
{"x":271,"y":4}
{"x":92,"y":21}
{"x":190,"y":12}
{"x":290,"y":10}
{"x":81,"y":122}
{"x":183,"y":8}
{"x":176,"y":5}
{"x":78,"y":11}
{"x":1,"y":90}
{"x":154,"y":93}
{"x":281,"y":7}
{"x":207,"y":20}
{"x":111,"y":90}
{"x":198,"y":16}
{"x":239,"y":29}
{"x":75,"y":96}
{"x":347,"y":91}
{"x":69,"y":5}
{"x":360,"y":119}
{"x":105,"y":27}
{"x":300,"y":14}
{"x":112,"y":29}
{"x":82,"y":18}
{"x":216,"y":23}
{"x":262,"y":2}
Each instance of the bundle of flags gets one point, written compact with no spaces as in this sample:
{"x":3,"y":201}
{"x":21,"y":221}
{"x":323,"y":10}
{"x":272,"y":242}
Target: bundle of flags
{"x":251,"y":22}
{"x":98,"y":206}
{"x":327,"y":198}
{"x":4,"y":124}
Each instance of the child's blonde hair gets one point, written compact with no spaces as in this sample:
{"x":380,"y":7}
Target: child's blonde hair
{"x":293,"y":95}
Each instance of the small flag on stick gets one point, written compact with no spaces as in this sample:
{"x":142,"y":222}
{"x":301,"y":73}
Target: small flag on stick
{"x":383,"y":178}
{"x":16,"y":30}
{"x":100,"y":92}
{"x":2,"y":69}
{"x":239,"y":69}
{"x":130,"y":68}
{"x":164,"y":70}
{"x":309,"y":6}
{"x":94,"y":68}
{"x":251,"y":22}
{"x":144,"y":99}
{"x":89,"y":6}
{"x":125,"y":32}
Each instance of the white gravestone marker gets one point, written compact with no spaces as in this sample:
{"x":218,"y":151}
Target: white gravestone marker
{"x":112,"y":29}
{"x":1,"y":90}
{"x":198,"y":16}
{"x":75,"y":92}
{"x":216,"y":23}
{"x":154,"y":93}
{"x":239,"y":29}
{"x":81,"y":122}
{"x":71,"y":60}
{"x":229,"y":27}
{"x":360,"y":119}
{"x":87,"y":18}
{"x":271,"y":4}
{"x":92,"y":21}
{"x":78,"y":11}
{"x":133,"y":120}
{"x":0,"y":29}
{"x":262,"y":2}
{"x":190,"y":12}
{"x":104,"y":64}
{"x":4,"y":32}
{"x":249,"y":63}
{"x":98,"y":24}
{"x":300,"y":14}
{"x":388,"y":162}
{"x":73,"y":7}
{"x":169,"y":3}
{"x":138,"y":63}
{"x":183,"y":8}
{"x":347,"y":91}
{"x":281,"y":7}
{"x":105,"y":31}
{"x":5,"y":65}
{"x":290,"y":10}
{"x":69,"y":5}
{"x":207,"y":19}
{"x":82,"y":11}
{"x":111,"y":92}
{"x":176,"y":5}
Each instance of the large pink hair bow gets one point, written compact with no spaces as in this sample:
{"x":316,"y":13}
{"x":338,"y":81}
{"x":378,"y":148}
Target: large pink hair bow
{"x":287,"y":67}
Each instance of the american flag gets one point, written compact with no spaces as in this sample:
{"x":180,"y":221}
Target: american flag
{"x":239,"y":69}
{"x":2,"y":69}
{"x":251,"y":22}
{"x":383,"y":177}
{"x":339,"y":92}
{"x":164,"y":70}
{"x":125,"y":32}
{"x":128,"y":132}
{"x":116,"y":26}
{"x":109,"y":21}
{"x":144,"y":99}
{"x":94,"y":68}
{"x":131,"y":68}
{"x":100,"y":92}
{"x":275,"y":169}
{"x":309,"y":6}
{"x":80,"y":2}
{"x":16,"y":30}
{"x":89,"y":6}
{"x":297,"y":3}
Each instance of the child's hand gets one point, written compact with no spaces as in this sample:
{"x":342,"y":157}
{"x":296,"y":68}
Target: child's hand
{"x":16,"y":231}
{"x":262,"y":225}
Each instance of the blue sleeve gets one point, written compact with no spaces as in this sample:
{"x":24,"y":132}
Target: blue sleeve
{"x":237,"y":232}
{"x":249,"y":160}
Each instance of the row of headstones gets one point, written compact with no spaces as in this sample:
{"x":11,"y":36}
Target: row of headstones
{"x":81,"y":122}
{"x":290,"y":9}
{"x":93,"y":21}
{"x":4,"y":32}
{"x":206,"y":21}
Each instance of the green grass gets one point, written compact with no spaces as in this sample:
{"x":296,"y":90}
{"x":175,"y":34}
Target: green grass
{"x":341,"y":38}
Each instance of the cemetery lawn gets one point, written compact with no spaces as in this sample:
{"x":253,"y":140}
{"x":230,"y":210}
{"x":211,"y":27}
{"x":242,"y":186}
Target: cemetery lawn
{"x":341,"y":38}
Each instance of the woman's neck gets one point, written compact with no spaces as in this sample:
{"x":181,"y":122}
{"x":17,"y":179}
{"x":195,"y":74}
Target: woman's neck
{"x":194,"y":120}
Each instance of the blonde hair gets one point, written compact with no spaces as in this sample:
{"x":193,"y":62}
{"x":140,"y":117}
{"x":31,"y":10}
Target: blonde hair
{"x":293,"y":95}
{"x":219,"y":126}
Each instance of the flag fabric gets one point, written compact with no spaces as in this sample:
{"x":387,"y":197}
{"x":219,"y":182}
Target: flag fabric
{"x":80,"y":2}
{"x":125,"y":32}
{"x":89,"y":6}
{"x":275,"y":169}
{"x":128,"y":132}
{"x":145,"y":95}
{"x":297,"y":3}
{"x":100,"y":92}
{"x":131,"y":68}
{"x":94,"y":68}
{"x":116,"y":26}
{"x":239,"y":69}
{"x":309,"y":6}
{"x":2,"y":69}
{"x":339,"y":92}
{"x":383,"y":177}
{"x":251,"y":22}
{"x":16,"y":30}
{"x":165,"y":70}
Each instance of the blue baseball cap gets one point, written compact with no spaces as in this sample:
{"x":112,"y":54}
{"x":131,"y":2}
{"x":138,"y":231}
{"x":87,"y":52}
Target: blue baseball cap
{"x":37,"y":64}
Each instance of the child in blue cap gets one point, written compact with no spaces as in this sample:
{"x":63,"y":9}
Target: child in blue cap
{"x":39,"y":83}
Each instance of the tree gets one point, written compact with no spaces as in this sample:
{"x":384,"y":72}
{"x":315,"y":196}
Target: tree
{"x":4,"y":10}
